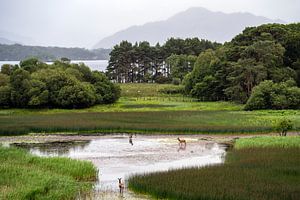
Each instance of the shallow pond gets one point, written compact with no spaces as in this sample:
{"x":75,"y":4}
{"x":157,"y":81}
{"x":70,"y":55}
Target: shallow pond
{"x":119,"y":156}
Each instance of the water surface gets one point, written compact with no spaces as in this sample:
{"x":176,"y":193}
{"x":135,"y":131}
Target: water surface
{"x":99,"y":65}
{"x":119,"y":157}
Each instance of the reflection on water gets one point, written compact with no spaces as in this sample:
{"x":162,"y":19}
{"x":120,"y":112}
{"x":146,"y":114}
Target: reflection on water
{"x":58,"y":148}
{"x":115,"y":157}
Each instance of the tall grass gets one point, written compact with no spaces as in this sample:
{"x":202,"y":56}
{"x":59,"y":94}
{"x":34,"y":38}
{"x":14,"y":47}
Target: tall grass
{"x":248,"y":174}
{"x":147,"y":111}
{"x":191,"y":122}
{"x":24,"y":176}
{"x":143,"y":122}
{"x":263,"y":141}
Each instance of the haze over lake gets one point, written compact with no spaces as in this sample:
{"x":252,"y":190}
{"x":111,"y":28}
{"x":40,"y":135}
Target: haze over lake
{"x":99,"y":65}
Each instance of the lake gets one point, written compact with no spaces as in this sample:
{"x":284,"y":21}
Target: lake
{"x":99,"y":65}
{"x":116,"y":156}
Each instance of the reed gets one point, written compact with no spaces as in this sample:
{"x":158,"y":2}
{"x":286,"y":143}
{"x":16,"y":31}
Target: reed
{"x":250,"y":173}
{"x":164,"y":122}
{"x":264,"y":142}
{"x":24,"y":176}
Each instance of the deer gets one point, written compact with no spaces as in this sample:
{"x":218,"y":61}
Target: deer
{"x":130,"y":139}
{"x":181,"y":141}
{"x":121,"y":185}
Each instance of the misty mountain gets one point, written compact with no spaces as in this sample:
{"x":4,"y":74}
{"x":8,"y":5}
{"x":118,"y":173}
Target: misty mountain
{"x":6,"y":41}
{"x":20,"y":52}
{"x":13,"y":38}
{"x":194,"y":22}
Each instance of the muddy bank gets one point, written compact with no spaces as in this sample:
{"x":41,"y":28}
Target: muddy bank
{"x":66,"y":137}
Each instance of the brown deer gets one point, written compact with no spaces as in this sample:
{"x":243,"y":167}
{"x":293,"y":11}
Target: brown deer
{"x":181,"y":141}
{"x":121,"y":185}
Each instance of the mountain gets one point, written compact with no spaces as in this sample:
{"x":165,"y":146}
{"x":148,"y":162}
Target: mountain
{"x":6,"y":41}
{"x":194,"y":22}
{"x":13,"y":38}
{"x":20,"y":52}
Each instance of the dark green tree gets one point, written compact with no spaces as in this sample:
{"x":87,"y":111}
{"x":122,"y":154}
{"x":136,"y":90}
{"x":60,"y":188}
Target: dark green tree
{"x":20,"y":85}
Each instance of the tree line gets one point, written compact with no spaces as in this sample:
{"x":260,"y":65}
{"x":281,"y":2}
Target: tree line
{"x":34,"y":84}
{"x":21,"y":52}
{"x":143,"y":63}
{"x":268,"y":52}
{"x":259,"y":67}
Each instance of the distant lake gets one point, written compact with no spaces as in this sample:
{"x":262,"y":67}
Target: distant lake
{"x":99,"y":65}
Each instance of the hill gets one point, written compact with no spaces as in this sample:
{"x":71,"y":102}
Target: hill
{"x":194,"y":22}
{"x":21,"y":52}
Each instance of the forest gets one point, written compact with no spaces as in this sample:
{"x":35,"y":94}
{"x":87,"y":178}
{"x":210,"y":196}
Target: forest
{"x":17,"y":52}
{"x":34,"y":84}
{"x":259,"y":67}
{"x":143,"y":63}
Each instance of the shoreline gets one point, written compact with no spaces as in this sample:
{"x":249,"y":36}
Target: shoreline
{"x":73,"y":137}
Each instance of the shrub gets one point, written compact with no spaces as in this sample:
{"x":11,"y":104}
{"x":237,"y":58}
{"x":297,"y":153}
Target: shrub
{"x":162,"y":79}
{"x":283,"y":126}
{"x":176,"y":81}
{"x":269,"y":95}
{"x":36,"y":84}
{"x":172,"y":90}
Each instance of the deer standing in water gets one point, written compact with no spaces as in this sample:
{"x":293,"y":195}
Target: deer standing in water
{"x":181,"y":142}
{"x":130,"y":139}
{"x":121,"y":185}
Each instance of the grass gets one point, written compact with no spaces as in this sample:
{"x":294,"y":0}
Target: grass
{"x":266,"y":142}
{"x":185,"y":122}
{"x":249,"y":173}
{"x":146,"y":90}
{"x":147,"y":111}
{"x":133,"y":104}
{"x":24,"y":176}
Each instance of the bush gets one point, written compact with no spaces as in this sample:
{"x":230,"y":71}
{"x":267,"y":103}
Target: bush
{"x":176,"y":81}
{"x":284,"y":126}
{"x":172,"y":90}
{"x":64,"y":85}
{"x":162,"y":79}
{"x":269,"y":95}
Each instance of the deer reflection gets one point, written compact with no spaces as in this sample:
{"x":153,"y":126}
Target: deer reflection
{"x":181,"y":148}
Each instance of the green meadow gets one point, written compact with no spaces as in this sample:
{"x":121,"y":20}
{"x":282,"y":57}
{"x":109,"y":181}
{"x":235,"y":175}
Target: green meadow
{"x":250,"y":172}
{"x":150,"y":112}
{"x":24,"y":176}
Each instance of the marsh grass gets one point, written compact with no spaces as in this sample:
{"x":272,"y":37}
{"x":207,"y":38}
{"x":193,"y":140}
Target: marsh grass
{"x":147,"y":111}
{"x":183,"y":122}
{"x":270,"y":141}
{"x":248,"y":174}
{"x":24,"y":176}
{"x":134,"y":104}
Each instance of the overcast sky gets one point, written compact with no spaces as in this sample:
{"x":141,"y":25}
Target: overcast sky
{"x":82,"y":23}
